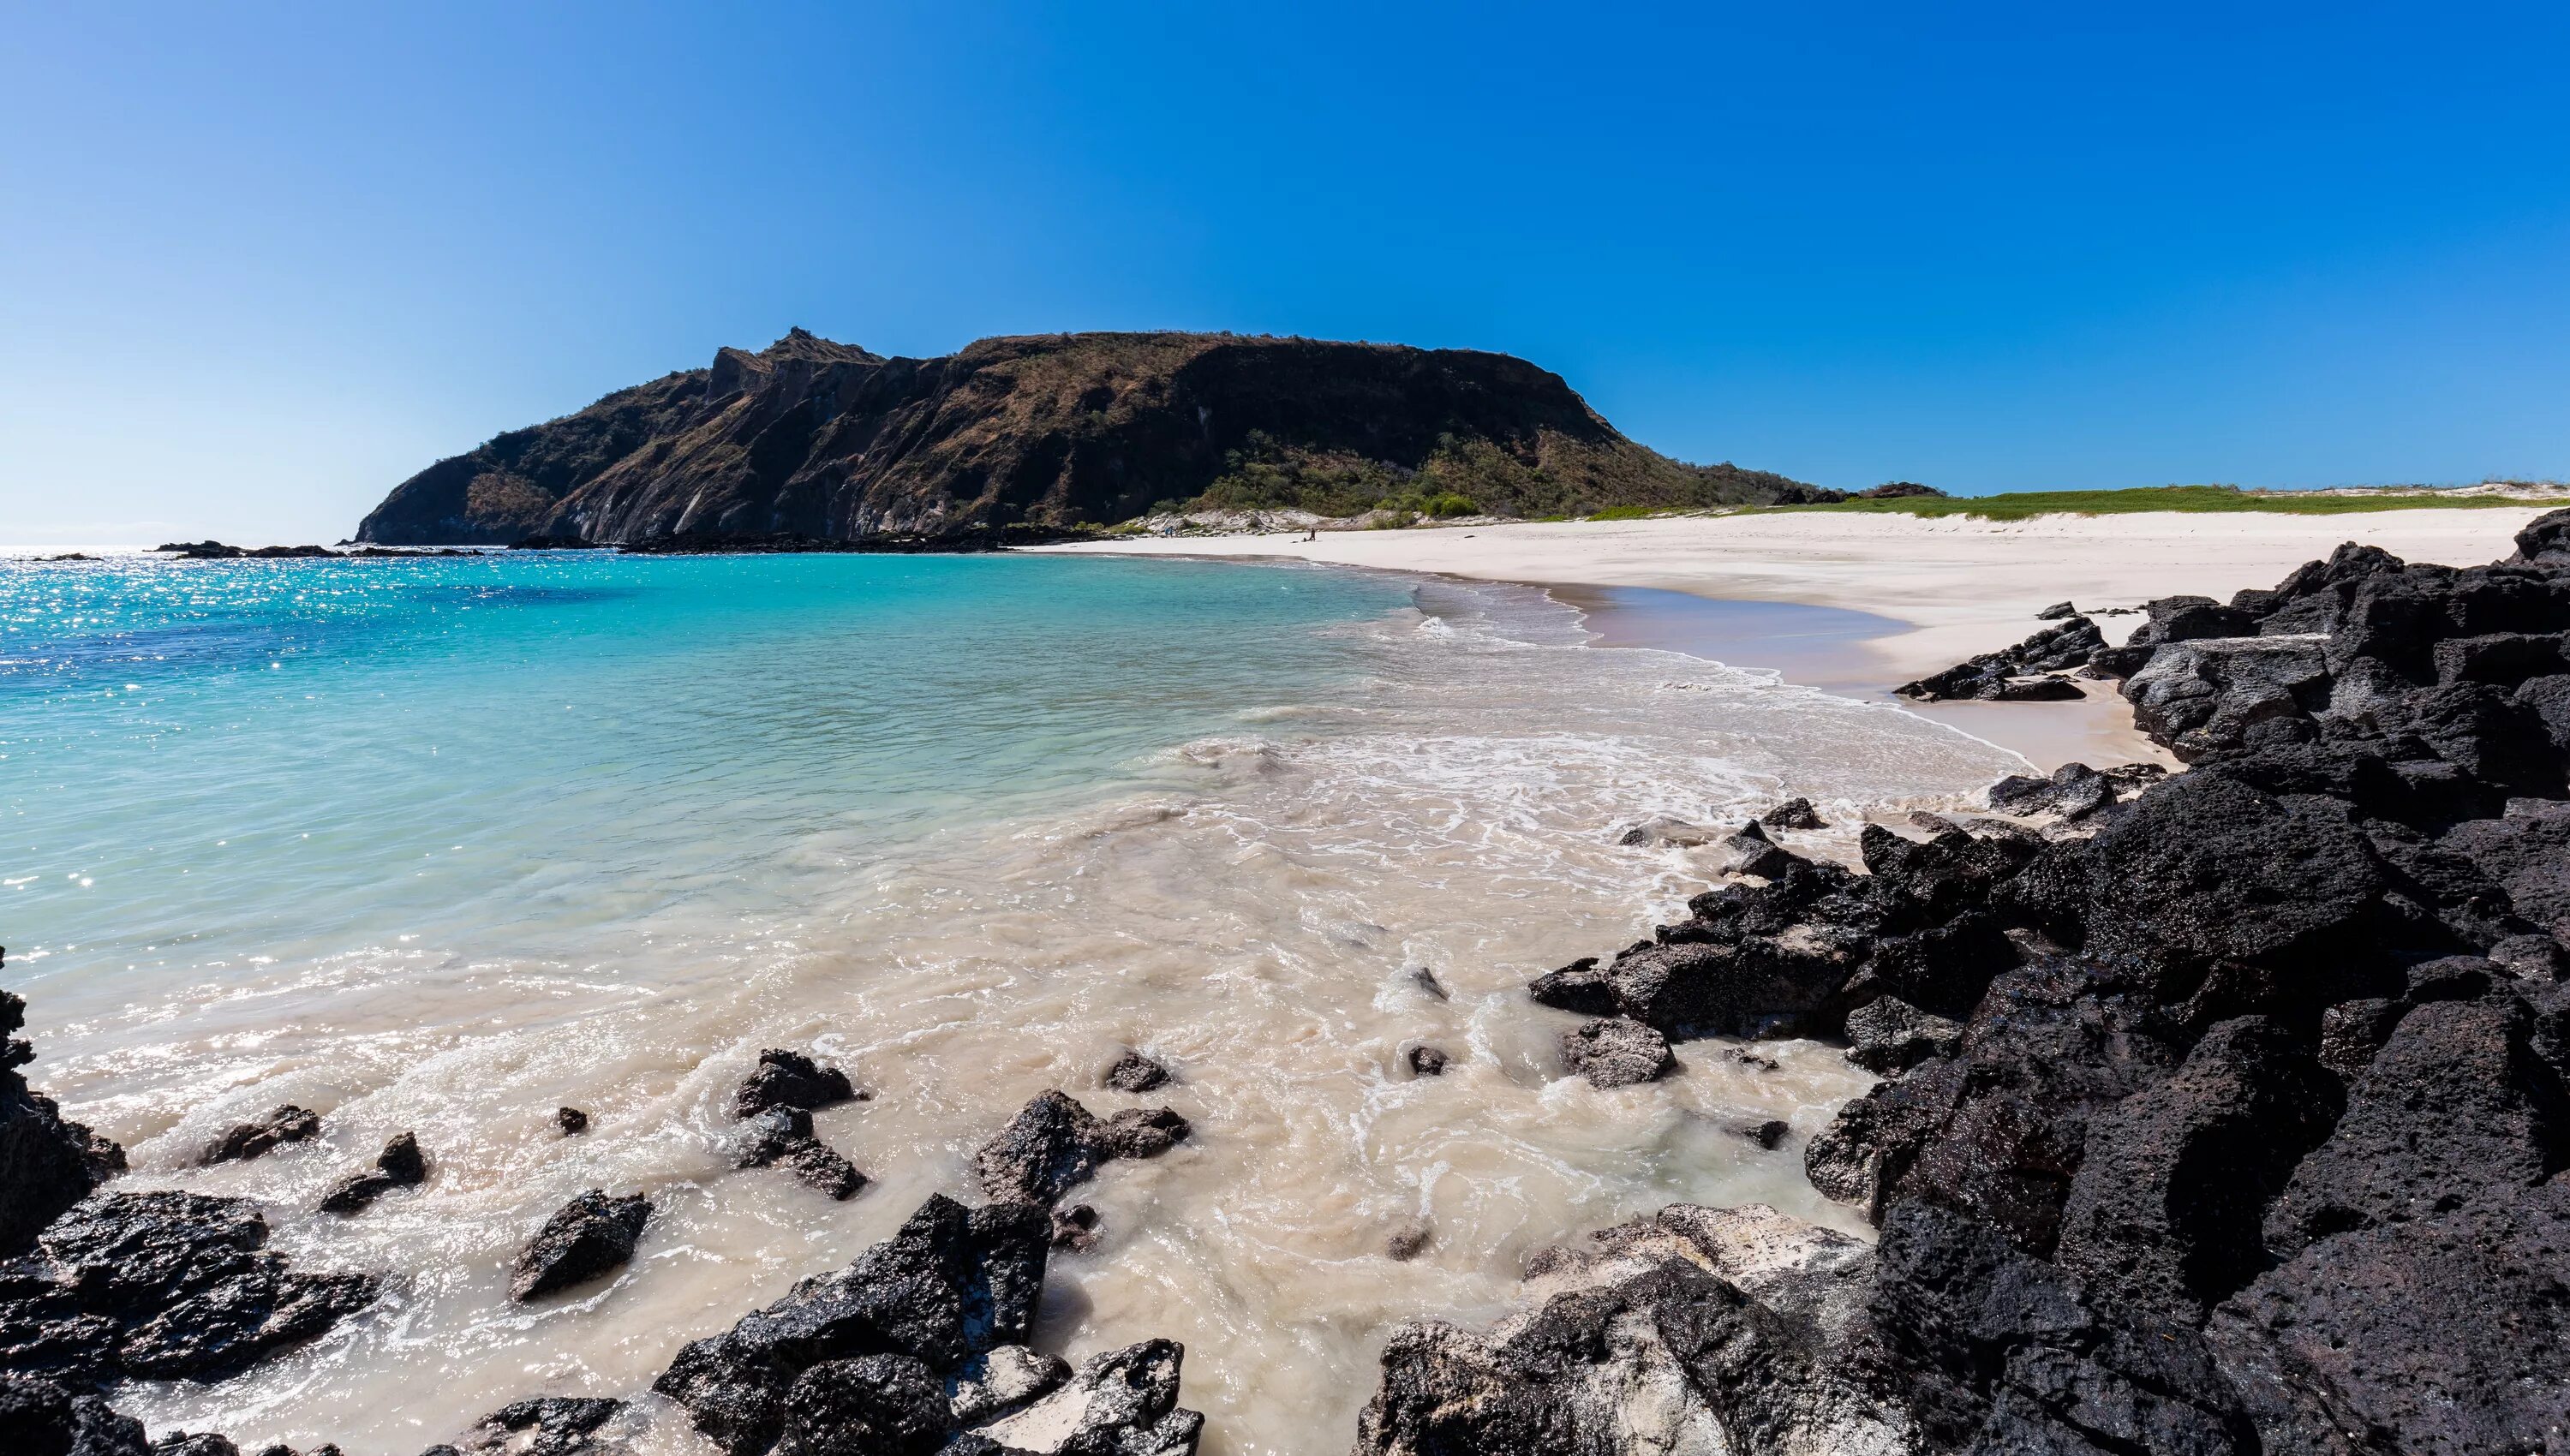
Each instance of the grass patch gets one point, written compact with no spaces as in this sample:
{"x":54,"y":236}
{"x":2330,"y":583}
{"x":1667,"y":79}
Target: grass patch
{"x":1624,"y":513}
{"x":2025,"y":504}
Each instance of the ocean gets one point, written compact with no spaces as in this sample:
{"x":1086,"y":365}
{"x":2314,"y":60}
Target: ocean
{"x":440,"y":845}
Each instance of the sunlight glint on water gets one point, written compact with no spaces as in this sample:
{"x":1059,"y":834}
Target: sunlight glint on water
{"x":443,"y":844}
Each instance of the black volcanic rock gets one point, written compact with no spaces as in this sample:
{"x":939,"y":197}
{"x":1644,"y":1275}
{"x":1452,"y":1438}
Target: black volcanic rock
{"x":46,"y":1163}
{"x":287,"y":1124}
{"x":781,"y":1137}
{"x":400,"y":1165}
{"x":952,"y":1284}
{"x":162,"y":1285}
{"x":790,"y":1079}
{"x":2238,"y":1126}
{"x":830,"y":442}
{"x":40,"y":1417}
{"x":585,"y":1238}
{"x":1055,"y":1144}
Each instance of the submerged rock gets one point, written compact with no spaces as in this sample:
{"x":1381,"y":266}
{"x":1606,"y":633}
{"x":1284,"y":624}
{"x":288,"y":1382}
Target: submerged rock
{"x":585,"y":1238}
{"x":781,"y":1137}
{"x":1425,"y":1061}
{"x":571,"y":1120}
{"x":400,"y":1165}
{"x":287,"y":1124}
{"x":791,"y":1079}
{"x":162,"y":1285}
{"x":1134,"y":1072}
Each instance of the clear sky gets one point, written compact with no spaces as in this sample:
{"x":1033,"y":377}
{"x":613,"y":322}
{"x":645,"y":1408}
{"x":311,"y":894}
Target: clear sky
{"x":258,"y":263}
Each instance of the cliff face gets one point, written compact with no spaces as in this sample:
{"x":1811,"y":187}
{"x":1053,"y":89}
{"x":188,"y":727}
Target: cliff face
{"x":825,"y":440}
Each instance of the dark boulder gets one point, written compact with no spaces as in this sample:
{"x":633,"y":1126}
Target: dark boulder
{"x":40,"y":1417}
{"x":399,"y":1165}
{"x":1425,"y":1061}
{"x":287,"y":1124}
{"x":2545,"y":540}
{"x":2164,"y":1213}
{"x":162,"y":1285}
{"x":571,"y":1120}
{"x":585,"y":1238}
{"x":2015,"y":674}
{"x":1793,"y":813}
{"x":2457,"y":1106}
{"x":2074,"y":790}
{"x":790,"y":1079}
{"x":867,"y":1405}
{"x":47,"y":1164}
{"x":781,"y":1137}
{"x":1615,"y":1051}
{"x":1055,"y":1144}
{"x":1888,"y":1036}
{"x":2204,"y":697}
{"x":952,"y":1284}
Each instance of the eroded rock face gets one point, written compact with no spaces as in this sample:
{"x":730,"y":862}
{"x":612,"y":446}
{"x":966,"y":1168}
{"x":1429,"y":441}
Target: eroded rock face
{"x":583,"y":1240}
{"x":162,"y":1285}
{"x":547,"y":1425}
{"x":2016,"y":674}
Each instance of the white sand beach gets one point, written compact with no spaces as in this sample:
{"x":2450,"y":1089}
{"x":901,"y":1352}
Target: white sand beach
{"x":1962,"y":585}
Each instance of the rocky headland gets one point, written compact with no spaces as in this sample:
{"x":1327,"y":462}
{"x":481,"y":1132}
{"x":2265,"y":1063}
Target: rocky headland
{"x":2223,"y":1111}
{"x":1025,"y":439}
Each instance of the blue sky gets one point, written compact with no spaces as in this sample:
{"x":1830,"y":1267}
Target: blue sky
{"x":262,"y":261}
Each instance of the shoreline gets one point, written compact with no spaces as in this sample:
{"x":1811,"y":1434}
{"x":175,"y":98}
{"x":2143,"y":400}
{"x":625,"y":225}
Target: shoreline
{"x":1943,"y":588}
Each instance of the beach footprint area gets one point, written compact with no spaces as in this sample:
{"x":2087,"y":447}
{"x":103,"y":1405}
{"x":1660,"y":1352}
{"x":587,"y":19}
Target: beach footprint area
{"x":1251,"y":862}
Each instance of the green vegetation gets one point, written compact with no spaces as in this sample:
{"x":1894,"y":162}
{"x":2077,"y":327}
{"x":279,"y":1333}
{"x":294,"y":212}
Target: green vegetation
{"x":1624,"y":513}
{"x":2022,"y":504}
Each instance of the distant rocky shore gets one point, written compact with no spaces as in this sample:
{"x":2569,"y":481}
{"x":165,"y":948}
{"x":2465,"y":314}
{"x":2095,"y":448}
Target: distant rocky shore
{"x":2223,"y":1111}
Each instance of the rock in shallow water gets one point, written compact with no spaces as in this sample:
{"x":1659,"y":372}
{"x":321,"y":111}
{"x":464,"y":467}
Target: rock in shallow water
{"x":400,"y":1165}
{"x":1054,"y":1144}
{"x":781,"y":1137}
{"x":791,"y":1079}
{"x":585,"y":1238}
{"x":40,"y":1417}
{"x":287,"y":1124}
{"x":1615,"y":1051}
{"x":1134,"y":1072}
{"x":162,"y":1285}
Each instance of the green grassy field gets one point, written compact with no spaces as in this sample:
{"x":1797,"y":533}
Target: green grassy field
{"x":2022,"y":504}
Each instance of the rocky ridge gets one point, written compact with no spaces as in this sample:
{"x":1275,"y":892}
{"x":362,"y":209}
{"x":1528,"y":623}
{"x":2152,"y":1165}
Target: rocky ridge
{"x":2229,"y":1116}
{"x":1019,"y":438}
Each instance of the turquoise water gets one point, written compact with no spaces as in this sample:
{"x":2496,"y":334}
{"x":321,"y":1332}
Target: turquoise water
{"x":438,"y":846}
{"x":228,"y":759}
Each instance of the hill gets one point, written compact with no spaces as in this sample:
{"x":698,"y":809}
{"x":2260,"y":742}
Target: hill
{"x":1035,"y":435}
